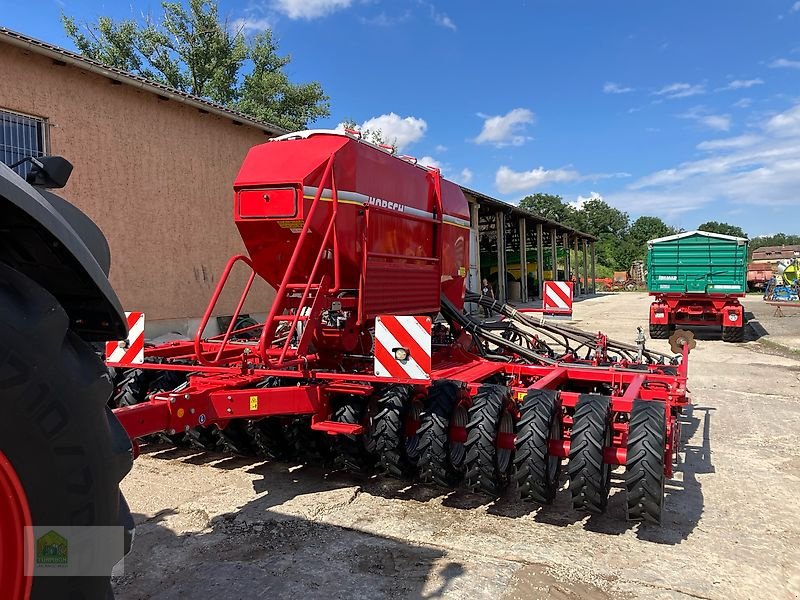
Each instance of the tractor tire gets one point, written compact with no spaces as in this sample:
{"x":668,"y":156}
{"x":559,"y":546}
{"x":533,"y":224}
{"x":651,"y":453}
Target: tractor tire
{"x":644,"y":474}
{"x":536,"y":471}
{"x":734,"y":335}
{"x":352,"y":452}
{"x":388,"y":431}
{"x":659,"y":332}
{"x":59,"y":438}
{"x":436,"y":454}
{"x":589,"y":476}
{"x":487,"y":465}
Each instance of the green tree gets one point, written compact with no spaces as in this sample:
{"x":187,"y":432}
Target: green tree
{"x":723,"y":228}
{"x":648,"y":228}
{"x":549,"y":206}
{"x":193,"y":51}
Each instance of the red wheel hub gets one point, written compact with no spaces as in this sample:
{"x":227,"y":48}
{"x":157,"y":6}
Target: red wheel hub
{"x":15,"y":522}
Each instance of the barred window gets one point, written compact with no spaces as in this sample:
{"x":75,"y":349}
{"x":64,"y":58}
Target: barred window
{"x":21,"y":136}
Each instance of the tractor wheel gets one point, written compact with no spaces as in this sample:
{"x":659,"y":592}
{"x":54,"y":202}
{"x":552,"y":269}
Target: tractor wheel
{"x":536,"y":471}
{"x":353,"y":454}
{"x":490,"y":441}
{"x":630,"y":286}
{"x":62,"y":451}
{"x":644,"y":474}
{"x":733,"y":334}
{"x":589,"y":476}
{"x":441,"y":457}
{"x":388,"y":431}
{"x":659,"y":332}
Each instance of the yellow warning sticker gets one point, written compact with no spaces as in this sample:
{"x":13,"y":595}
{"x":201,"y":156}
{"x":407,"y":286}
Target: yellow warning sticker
{"x":462,"y":271}
{"x":297,"y":224}
{"x":253,"y":402}
{"x":520,"y":395}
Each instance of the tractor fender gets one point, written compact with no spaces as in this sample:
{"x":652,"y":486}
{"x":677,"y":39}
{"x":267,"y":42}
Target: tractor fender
{"x":58,"y":246}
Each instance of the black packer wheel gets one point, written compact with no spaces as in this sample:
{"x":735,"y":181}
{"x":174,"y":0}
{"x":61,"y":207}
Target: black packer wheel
{"x":644,"y":474}
{"x":536,"y":471}
{"x":490,"y":447}
{"x":589,"y":476}
{"x":440,"y":458}
{"x":353,"y":451}
{"x":388,"y":430}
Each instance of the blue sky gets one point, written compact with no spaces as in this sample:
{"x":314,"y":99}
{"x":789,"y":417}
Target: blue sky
{"x":683,"y":109}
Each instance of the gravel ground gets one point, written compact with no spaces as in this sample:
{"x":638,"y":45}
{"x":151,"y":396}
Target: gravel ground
{"x":227,"y":527}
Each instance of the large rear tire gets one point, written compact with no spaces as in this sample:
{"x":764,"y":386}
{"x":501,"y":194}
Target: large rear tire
{"x":734,"y":335}
{"x":388,"y":430}
{"x":536,"y":471}
{"x":68,"y":450}
{"x":644,"y":474}
{"x":659,"y":332}
{"x":589,"y":476}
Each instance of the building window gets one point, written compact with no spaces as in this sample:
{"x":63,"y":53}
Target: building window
{"x":21,"y":136}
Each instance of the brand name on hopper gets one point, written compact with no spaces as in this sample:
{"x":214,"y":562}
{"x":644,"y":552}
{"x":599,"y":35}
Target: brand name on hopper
{"x":381,"y":203}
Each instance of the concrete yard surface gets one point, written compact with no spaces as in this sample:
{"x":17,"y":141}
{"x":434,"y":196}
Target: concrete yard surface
{"x":215,"y":526}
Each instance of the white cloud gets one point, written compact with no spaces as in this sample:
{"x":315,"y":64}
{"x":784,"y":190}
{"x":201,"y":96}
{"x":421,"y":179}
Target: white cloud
{"x":702,"y":115}
{"x":509,"y":181}
{"x":248,"y":25}
{"x":440,"y":148}
{"x":505,"y":130}
{"x":743,"y":103}
{"x":742,"y":141}
{"x":384,"y":20}
{"x":581,"y":201}
{"x":741,"y":84}
{"x":795,"y":7}
{"x":762,"y":168}
{"x":614,"y":88}
{"x":465,"y":176}
{"x":310,"y":9}
{"x":680,"y":90}
{"x":429,"y":161}
{"x":397,"y":130}
{"x":784,"y":63}
{"x":443,"y":20}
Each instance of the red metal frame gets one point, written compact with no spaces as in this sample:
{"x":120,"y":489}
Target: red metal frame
{"x":716,"y":310}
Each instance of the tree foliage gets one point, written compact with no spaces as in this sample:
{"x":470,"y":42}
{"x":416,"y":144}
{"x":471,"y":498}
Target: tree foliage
{"x":722,"y":228}
{"x":190,"y":49}
{"x":549,"y":206}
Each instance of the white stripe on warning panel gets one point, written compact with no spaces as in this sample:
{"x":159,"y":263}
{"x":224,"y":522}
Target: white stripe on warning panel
{"x":416,"y":331}
{"x":554,"y":298}
{"x":135,"y":333}
{"x":384,"y":337}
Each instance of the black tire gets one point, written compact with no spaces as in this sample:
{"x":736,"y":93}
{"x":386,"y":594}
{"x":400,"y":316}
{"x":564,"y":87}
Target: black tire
{"x":536,"y":471}
{"x":234,"y":438}
{"x":130,"y":387}
{"x":67,"y":448}
{"x":166,"y":381}
{"x":439,"y":461}
{"x":351,"y":450}
{"x":269,"y":439}
{"x":388,"y":430}
{"x":659,"y":332}
{"x":487,"y":466}
{"x":644,"y":474}
{"x":589,"y":476}
{"x":733,"y":335}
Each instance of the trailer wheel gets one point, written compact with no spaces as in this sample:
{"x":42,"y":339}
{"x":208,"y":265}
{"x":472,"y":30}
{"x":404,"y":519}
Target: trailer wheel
{"x":490,"y":441}
{"x":644,"y":474}
{"x":659,"y":332}
{"x":436,"y":452}
{"x":388,"y":431}
{"x":536,"y":471}
{"x":353,"y":455}
{"x":733,"y":334}
{"x":589,"y":476}
{"x":59,"y":442}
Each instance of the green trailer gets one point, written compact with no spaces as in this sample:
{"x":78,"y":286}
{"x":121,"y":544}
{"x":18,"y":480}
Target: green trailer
{"x":697,"y":278}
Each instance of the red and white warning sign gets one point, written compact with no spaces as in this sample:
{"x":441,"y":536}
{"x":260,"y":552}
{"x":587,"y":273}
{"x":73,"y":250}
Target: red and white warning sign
{"x":558,"y":297}
{"x":403,"y":347}
{"x":130,"y":350}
